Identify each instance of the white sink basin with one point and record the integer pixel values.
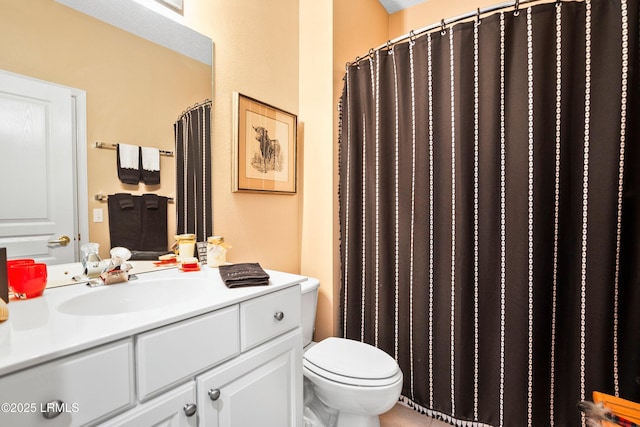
(134, 296)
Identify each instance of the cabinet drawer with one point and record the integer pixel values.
(170, 354)
(268, 316)
(168, 409)
(83, 388)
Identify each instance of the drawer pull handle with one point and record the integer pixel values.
(190, 409)
(53, 408)
(279, 315)
(214, 394)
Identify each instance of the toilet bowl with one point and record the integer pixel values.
(347, 383)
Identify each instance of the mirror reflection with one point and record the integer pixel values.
(134, 91)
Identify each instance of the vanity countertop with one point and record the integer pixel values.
(59, 323)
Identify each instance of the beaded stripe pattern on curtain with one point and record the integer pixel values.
(193, 172)
(490, 211)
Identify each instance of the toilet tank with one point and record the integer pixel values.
(308, 305)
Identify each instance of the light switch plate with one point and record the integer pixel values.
(98, 215)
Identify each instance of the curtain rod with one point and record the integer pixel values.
(194, 106)
(445, 22)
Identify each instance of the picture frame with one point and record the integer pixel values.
(264, 148)
(176, 5)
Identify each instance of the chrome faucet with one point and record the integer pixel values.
(117, 271)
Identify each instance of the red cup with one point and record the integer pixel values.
(12, 262)
(27, 280)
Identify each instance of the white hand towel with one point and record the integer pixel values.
(150, 165)
(128, 163)
(150, 159)
(128, 155)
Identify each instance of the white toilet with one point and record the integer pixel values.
(347, 383)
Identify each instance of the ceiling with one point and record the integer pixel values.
(393, 6)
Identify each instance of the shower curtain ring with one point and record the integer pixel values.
(443, 31)
(478, 21)
(389, 47)
(412, 38)
(516, 12)
(558, 3)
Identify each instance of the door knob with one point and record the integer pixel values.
(62, 240)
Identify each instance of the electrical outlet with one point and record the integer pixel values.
(98, 215)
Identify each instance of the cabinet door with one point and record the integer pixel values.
(170, 410)
(262, 387)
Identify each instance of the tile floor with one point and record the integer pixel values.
(402, 416)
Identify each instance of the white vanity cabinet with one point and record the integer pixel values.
(260, 386)
(231, 358)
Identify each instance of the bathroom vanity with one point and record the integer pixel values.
(171, 348)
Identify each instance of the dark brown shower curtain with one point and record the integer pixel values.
(193, 172)
(490, 215)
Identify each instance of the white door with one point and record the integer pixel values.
(37, 202)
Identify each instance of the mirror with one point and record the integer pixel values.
(135, 89)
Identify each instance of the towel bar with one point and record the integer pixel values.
(100, 144)
(103, 198)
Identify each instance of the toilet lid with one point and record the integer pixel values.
(350, 359)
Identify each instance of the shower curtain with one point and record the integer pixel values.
(490, 212)
(193, 171)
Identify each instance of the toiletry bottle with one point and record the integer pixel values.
(216, 251)
(186, 245)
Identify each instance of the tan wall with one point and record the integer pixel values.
(135, 89)
(256, 54)
(316, 105)
(256, 47)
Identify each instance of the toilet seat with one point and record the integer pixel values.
(352, 362)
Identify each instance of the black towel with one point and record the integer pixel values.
(153, 228)
(124, 221)
(150, 201)
(141, 227)
(125, 201)
(243, 274)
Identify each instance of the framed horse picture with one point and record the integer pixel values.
(264, 155)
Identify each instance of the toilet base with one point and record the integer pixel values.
(317, 414)
(346, 419)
